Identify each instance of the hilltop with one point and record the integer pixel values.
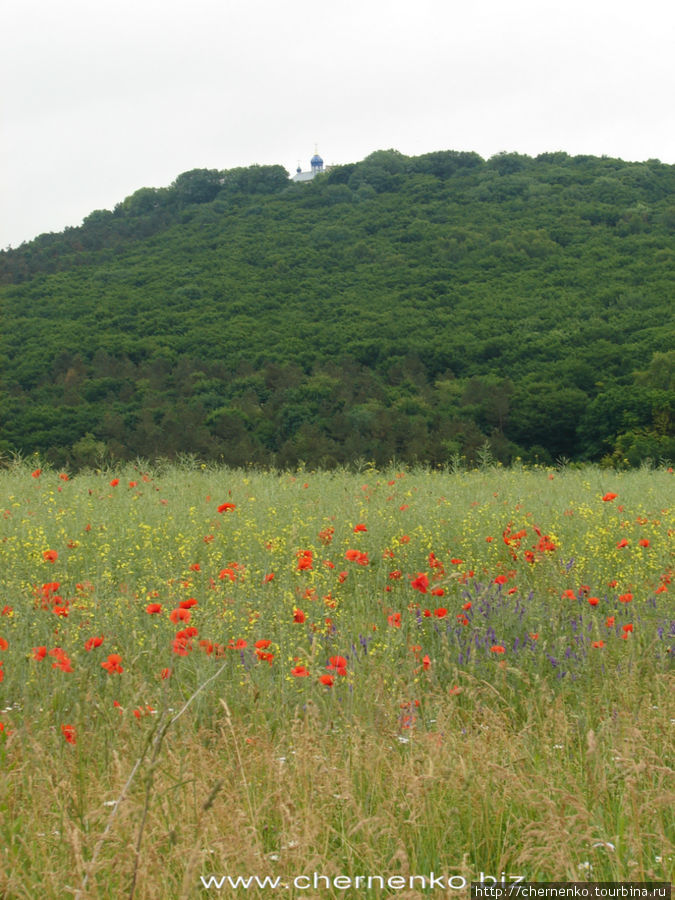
(400, 307)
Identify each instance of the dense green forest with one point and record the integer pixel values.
(409, 308)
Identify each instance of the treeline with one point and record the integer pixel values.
(409, 308)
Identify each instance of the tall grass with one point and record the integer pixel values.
(489, 682)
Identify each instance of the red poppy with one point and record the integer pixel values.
(114, 482)
(326, 535)
(299, 617)
(437, 592)
(50, 556)
(643, 542)
(225, 507)
(337, 662)
(497, 648)
(597, 645)
(627, 627)
(609, 621)
(625, 598)
(68, 731)
(570, 595)
(394, 620)
(593, 601)
(501, 579)
(426, 662)
(609, 497)
(269, 577)
(180, 615)
(328, 680)
(360, 527)
(93, 642)
(39, 652)
(358, 557)
(112, 664)
(622, 543)
(187, 604)
(36, 473)
(153, 608)
(3, 644)
(305, 560)
(421, 583)
(164, 674)
(441, 612)
(299, 671)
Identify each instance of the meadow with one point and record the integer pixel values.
(315, 677)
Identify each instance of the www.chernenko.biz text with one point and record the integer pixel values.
(317, 881)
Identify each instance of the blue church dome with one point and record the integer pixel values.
(316, 162)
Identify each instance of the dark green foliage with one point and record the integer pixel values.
(398, 307)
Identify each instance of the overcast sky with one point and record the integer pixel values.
(101, 98)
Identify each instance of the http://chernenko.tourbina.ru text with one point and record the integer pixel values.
(568, 890)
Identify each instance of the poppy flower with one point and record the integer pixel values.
(437, 592)
(421, 583)
(299, 671)
(501, 579)
(164, 674)
(394, 620)
(569, 595)
(497, 648)
(180, 615)
(269, 577)
(426, 662)
(226, 507)
(112, 664)
(328, 680)
(93, 642)
(622, 543)
(50, 556)
(609, 496)
(643, 542)
(153, 608)
(609, 621)
(187, 604)
(625, 598)
(68, 731)
(39, 652)
(36, 473)
(3, 644)
(299, 617)
(359, 527)
(627, 627)
(114, 482)
(597, 645)
(593, 601)
(337, 662)
(305, 560)
(441, 612)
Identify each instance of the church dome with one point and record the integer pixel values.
(316, 161)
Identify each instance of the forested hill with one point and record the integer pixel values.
(401, 307)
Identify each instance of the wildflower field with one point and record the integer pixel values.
(306, 677)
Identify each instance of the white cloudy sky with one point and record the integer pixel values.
(101, 98)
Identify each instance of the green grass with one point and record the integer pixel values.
(431, 751)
